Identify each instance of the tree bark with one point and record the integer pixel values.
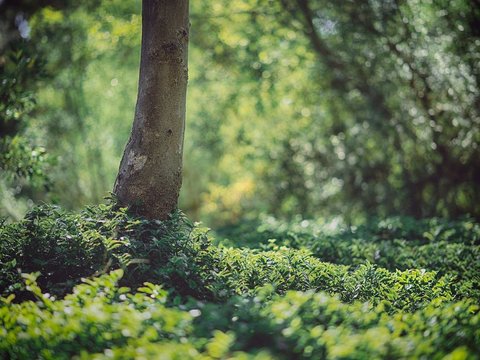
(150, 174)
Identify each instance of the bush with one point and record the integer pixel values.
(66, 247)
(317, 326)
(102, 320)
(448, 247)
(88, 319)
(198, 299)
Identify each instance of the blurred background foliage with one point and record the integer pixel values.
(345, 109)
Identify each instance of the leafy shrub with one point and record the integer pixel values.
(315, 325)
(88, 319)
(447, 247)
(66, 247)
(273, 299)
(63, 247)
(99, 319)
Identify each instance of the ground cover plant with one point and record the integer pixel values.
(102, 283)
(446, 247)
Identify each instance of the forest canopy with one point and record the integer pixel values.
(341, 109)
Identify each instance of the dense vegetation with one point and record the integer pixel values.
(332, 145)
(320, 108)
(297, 291)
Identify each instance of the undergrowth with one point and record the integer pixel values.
(395, 288)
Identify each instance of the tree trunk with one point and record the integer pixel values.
(150, 174)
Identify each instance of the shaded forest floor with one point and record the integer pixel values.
(104, 284)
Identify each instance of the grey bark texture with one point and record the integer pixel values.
(150, 174)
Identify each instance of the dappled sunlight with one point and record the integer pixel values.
(313, 194)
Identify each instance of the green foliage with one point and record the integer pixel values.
(24, 162)
(20, 160)
(290, 112)
(347, 109)
(197, 299)
(66, 247)
(98, 317)
(309, 325)
(352, 108)
(85, 111)
(19, 70)
(448, 247)
(102, 320)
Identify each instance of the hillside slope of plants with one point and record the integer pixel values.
(104, 284)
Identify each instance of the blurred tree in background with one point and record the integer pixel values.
(86, 49)
(23, 162)
(312, 107)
